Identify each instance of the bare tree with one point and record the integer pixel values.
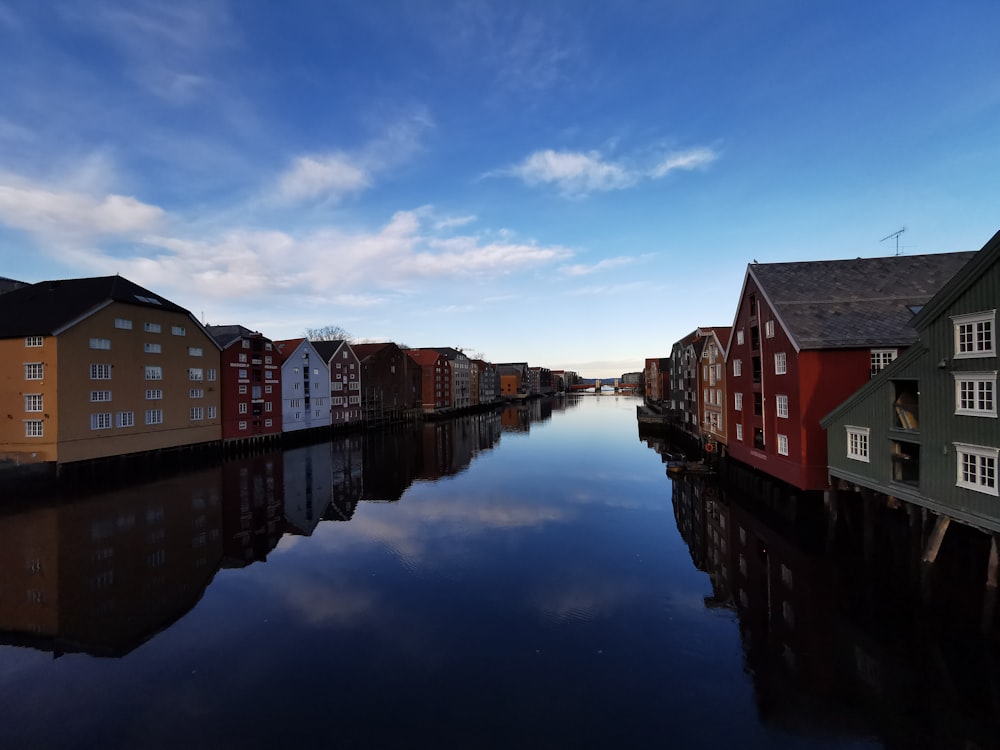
(328, 333)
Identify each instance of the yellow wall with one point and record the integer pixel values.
(14, 445)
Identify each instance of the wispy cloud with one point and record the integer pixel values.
(581, 269)
(578, 173)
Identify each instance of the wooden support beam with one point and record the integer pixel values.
(931, 550)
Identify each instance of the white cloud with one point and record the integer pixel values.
(581, 269)
(331, 176)
(573, 172)
(684, 160)
(454, 221)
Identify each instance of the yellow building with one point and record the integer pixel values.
(99, 367)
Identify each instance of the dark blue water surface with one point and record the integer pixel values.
(514, 579)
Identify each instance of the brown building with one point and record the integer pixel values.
(435, 372)
(98, 367)
(391, 381)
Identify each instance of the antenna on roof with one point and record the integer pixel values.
(896, 235)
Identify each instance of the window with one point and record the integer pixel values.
(242, 357)
(857, 443)
(154, 372)
(977, 468)
(243, 390)
(98, 396)
(211, 412)
(195, 351)
(151, 327)
(245, 343)
(123, 323)
(739, 401)
(739, 432)
(32, 402)
(737, 367)
(758, 404)
(704, 395)
(126, 419)
(100, 372)
(197, 412)
(268, 406)
(211, 374)
(267, 359)
(34, 371)
(243, 407)
(268, 422)
(295, 403)
(154, 394)
(100, 343)
(975, 394)
(780, 364)
(881, 358)
(242, 425)
(196, 374)
(151, 348)
(974, 334)
(154, 416)
(32, 341)
(267, 389)
(783, 445)
(739, 337)
(781, 406)
(338, 386)
(243, 374)
(196, 393)
(34, 428)
(101, 421)
(769, 329)
(178, 330)
(355, 399)
(338, 401)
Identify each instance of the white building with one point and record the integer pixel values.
(305, 379)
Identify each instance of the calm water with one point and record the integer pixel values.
(521, 579)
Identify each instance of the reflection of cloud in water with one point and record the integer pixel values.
(583, 599)
(321, 605)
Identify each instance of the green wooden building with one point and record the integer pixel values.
(925, 429)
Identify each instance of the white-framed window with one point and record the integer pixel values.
(345, 355)
(267, 389)
(100, 343)
(154, 416)
(34, 428)
(880, 359)
(100, 372)
(196, 393)
(242, 424)
(781, 406)
(337, 401)
(267, 359)
(243, 407)
(100, 421)
(126, 419)
(977, 468)
(242, 374)
(738, 401)
(33, 341)
(783, 445)
(780, 363)
(242, 357)
(704, 395)
(268, 406)
(769, 329)
(718, 397)
(123, 323)
(196, 351)
(737, 367)
(245, 343)
(211, 374)
(178, 330)
(154, 372)
(974, 334)
(338, 386)
(268, 422)
(857, 443)
(197, 413)
(243, 389)
(211, 412)
(151, 348)
(196, 374)
(739, 337)
(154, 394)
(975, 394)
(151, 327)
(355, 399)
(34, 371)
(100, 396)
(33, 402)
(739, 432)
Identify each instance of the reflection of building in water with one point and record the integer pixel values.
(390, 463)
(103, 576)
(308, 478)
(252, 508)
(514, 418)
(689, 512)
(346, 478)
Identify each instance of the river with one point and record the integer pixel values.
(528, 578)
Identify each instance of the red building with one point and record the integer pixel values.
(435, 371)
(805, 337)
(250, 383)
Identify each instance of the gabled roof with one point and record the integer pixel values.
(425, 357)
(326, 349)
(364, 351)
(227, 335)
(987, 256)
(287, 347)
(49, 307)
(449, 352)
(8, 285)
(839, 304)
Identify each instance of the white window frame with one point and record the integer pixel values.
(780, 363)
(781, 405)
(150, 347)
(985, 468)
(211, 413)
(100, 344)
(988, 320)
(985, 392)
(125, 419)
(34, 371)
(154, 372)
(197, 413)
(33, 342)
(154, 416)
(33, 402)
(34, 428)
(782, 444)
(739, 337)
(196, 393)
(97, 397)
(242, 407)
(196, 351)
(154, 394)
(178, 330)
(737, 367)
(100, 372)
(769, 329)
(123, 323)
(738, 401)
(882, 358)
(858, 443)
(739, 432)
(101, 420)
(196, 374)
(151, 327)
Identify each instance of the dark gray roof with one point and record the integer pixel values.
(226, 335)
(326, 349)
(831, 304)
(44, 308)
(7, 285)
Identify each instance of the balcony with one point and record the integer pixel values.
(906, 406)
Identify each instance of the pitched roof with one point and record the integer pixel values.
(363, 351)
(326, 349)
(7, 285)
(226, 335)
(48, 307)
(425, 357)
(287, 347)
(833, 304)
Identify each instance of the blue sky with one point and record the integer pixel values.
(575, 184)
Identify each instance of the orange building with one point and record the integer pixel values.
(98, 367)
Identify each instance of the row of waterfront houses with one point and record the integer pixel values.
(874, 375)
(99, 367)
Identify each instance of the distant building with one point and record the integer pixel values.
(436, 379)
(345, 381)
(250, 379)
(305, 380)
